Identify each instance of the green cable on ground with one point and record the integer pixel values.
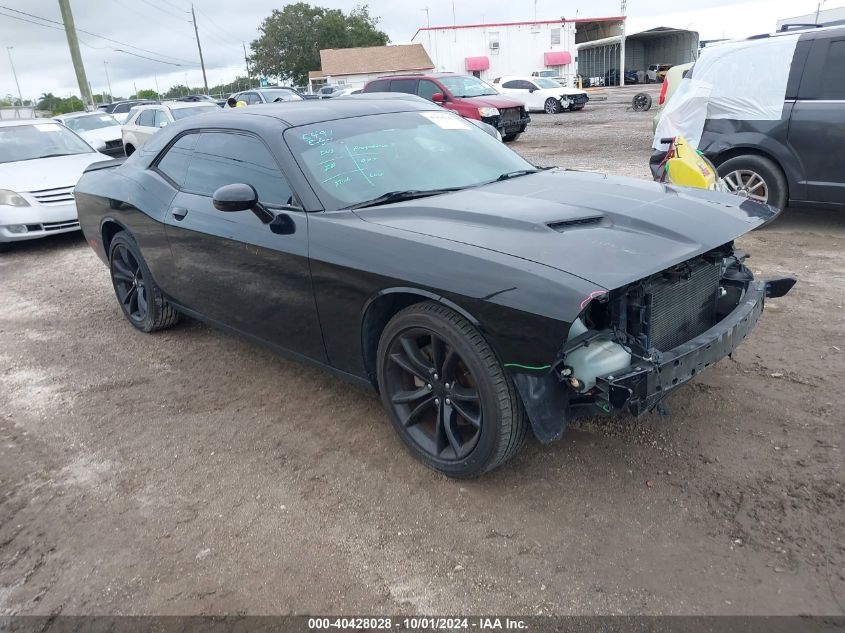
(528, 366)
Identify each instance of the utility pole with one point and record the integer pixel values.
(14, 72)
(108, 81)
(624, 8)
(818, 8)
(75, 56)
(199, 48)
(246, 61)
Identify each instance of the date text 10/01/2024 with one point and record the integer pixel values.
(419, 623)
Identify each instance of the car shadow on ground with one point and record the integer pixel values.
(44, 245)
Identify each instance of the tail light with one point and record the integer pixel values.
(662, 99)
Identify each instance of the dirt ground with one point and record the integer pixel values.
(189, 472)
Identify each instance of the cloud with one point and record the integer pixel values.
(164, 30)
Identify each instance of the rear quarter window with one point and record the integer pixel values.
(378, 85)
(833, 73)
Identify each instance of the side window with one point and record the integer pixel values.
(146, 118)
(160, 117)
(252, 98)
(404, 85)
(378, 85)
(120, 109)
(174, 164)
(513, 85)
(832, 84)
(530, 85)
(427, 88)
(225, 158)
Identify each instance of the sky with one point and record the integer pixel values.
(161, 31)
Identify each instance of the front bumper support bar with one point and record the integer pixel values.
(640, 387)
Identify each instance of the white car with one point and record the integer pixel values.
(541, 94)
(144, 121)
(100, 130)
(40, 164)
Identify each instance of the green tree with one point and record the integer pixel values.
(290, 40)
(147, 94)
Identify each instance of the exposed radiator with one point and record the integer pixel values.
(682, 306)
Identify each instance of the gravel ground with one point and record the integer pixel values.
(190, 472)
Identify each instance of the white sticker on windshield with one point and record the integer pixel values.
(446, 120)
(45, 127)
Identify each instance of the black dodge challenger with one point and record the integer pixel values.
(396, 245)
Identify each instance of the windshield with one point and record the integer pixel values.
(546, 83)
(92, 122)
(280, 95)
(181, 113)
(349, 161)
(466, 86)
(28, 142)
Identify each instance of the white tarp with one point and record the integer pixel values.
(744, 80)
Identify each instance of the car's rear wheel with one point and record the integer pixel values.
(141, 300)
(755, 177)
(509, 138)
(446, 393)
(552, 106)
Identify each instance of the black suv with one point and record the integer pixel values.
(800, 159)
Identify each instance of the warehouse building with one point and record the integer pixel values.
(566, 47)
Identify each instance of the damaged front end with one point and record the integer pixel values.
(633, 345)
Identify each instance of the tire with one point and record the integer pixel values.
(641, 102)
(429, 355)
(510, 138)
(738, 174)
(128, 149)
(552, 106)
(140, 299)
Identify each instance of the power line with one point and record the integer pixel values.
(103, 37)
(101, 48)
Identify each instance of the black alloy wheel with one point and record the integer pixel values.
(129, 283)
(446, 393)
(434, 394)
(139, 297)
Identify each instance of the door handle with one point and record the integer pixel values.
(179, 213)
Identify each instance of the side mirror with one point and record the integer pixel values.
(162, 124)
(237, 197)
(438, 97)
(532, 90)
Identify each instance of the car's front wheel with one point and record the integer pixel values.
(552, 106)
(446, 393)
(140, 299)
(755, 177)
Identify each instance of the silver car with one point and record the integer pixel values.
(144, 121)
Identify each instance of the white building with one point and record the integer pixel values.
(512, 48)
(354, 67)
(823, 17)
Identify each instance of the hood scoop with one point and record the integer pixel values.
(577, 223)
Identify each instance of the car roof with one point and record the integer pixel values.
(179, 105)
(294, 113)
(76, 115)
(14, 122)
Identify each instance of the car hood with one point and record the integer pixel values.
(608, 230)
(97, 138)
(46, 173)
(492, 101)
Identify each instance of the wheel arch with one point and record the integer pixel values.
(382, 307)
(110, 227)
(752, 150)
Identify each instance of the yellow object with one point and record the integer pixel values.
(240, 104)
(689, 168)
